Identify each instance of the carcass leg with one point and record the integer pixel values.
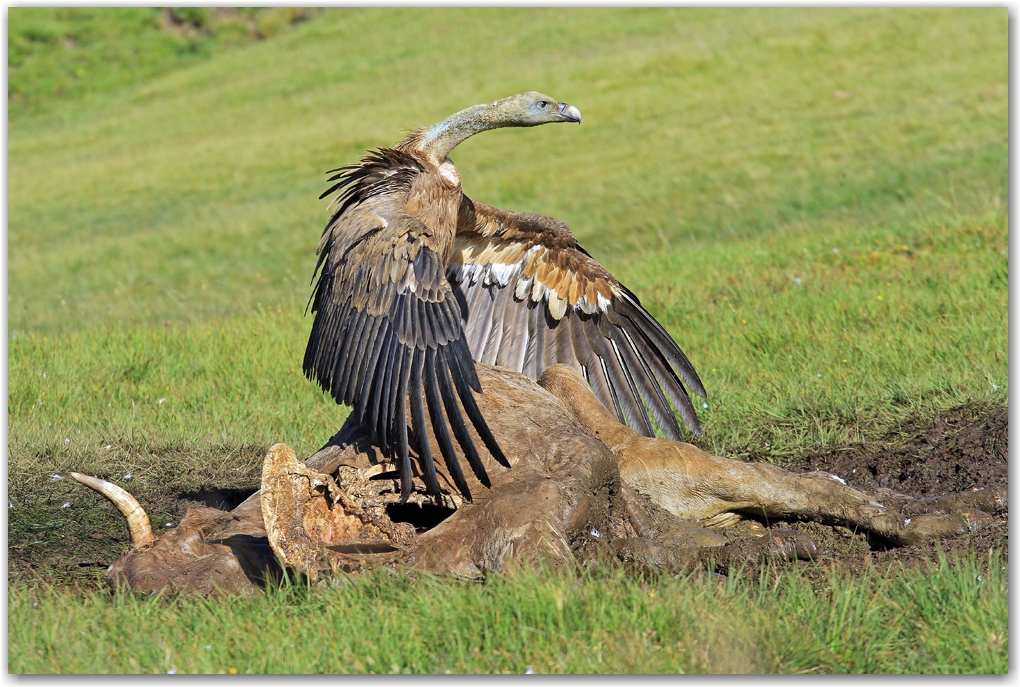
(695, 485)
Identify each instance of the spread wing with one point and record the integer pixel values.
(533, 297)
(388, 331)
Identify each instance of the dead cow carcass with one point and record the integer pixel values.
(580, 484)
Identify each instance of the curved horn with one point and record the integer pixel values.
(138, 521)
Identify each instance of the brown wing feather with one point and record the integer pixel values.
(536, 298)
(388, 326)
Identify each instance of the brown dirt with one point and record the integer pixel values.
(959, 449)
(74, 545)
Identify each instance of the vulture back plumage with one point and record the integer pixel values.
(417, 282)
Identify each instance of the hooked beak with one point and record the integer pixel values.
(570, 113)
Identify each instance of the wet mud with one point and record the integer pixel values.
(959, 449)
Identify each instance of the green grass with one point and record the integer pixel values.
(59, 54)
(904, 319)
(949, 618)
(163, 216)
(715, 166)
(191, 194)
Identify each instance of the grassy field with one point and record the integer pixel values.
(951, 618)
(812, 201)
(59, 54)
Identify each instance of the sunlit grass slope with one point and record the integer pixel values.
(57, 55)
(813, 201)
(196, 192)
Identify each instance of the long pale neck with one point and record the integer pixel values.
(442, 138)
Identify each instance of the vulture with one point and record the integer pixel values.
(417, 282)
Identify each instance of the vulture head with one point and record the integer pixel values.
(532, 109)
(525, 109)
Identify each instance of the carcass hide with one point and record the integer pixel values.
(580, 485)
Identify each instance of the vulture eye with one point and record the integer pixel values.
(543, 104)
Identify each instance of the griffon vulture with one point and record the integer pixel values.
(417, 282)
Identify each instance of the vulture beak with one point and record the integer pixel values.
(570, 113)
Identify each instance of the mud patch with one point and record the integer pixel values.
(959, 449)
(59, 533)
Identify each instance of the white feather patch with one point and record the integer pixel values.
(585, 306)
(468, 272)
(603, 303)
(523, 288)
(504, 273)
(557, 306)
(537, 291)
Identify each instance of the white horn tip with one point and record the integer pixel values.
(137, 520)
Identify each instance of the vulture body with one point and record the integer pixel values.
(417, 282)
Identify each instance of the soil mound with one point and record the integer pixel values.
(959, 449)
(962, 448)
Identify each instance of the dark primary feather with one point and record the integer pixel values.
(382, 344)
(457, 421)
(633, 365)
(439, 427)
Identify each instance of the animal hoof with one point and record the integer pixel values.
(792, 545)
(992, 500)
(975, 519)
(925, 527)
